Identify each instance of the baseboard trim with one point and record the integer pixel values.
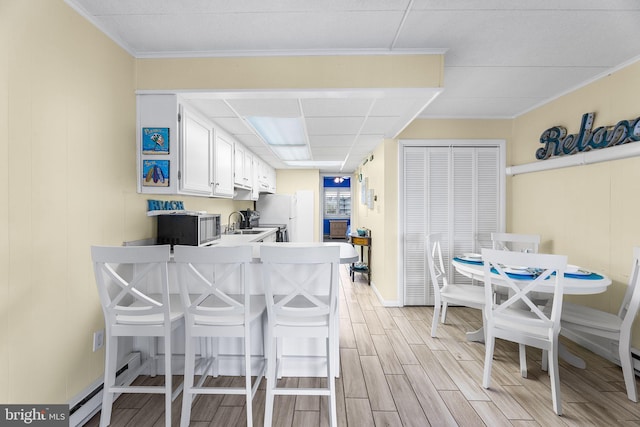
(88, 402)
(385, 303)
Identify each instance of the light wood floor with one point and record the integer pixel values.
(395, 374)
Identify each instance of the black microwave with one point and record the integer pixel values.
(186, 229)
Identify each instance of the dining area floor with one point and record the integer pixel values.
(393, 373)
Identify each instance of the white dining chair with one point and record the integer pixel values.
(582, 320)
(134, 293)
(519, 318)
(301, 290)
(516, 242)
(217, 302)
(446, 293)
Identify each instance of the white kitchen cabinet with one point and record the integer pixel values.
(255, 177)
(243, 167)
(247, 170)
(195, 154)
(271, 179)
(266, 177)
(223, 165)
(199, 159)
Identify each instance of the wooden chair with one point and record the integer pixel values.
(516, 242)
(518, 318)
(217, 303)
(582, 320)
(124, 276)
(301, 289)
(446, 293)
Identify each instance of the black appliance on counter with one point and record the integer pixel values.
(251, 219)
(188, 229)
(282, 235)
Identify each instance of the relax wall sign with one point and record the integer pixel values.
(558, 143)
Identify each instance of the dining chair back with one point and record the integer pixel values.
(445, 293)
(134, 293)
(217, 302)
(519, 318)
(516, 242)
(301, 290)
(583, 320)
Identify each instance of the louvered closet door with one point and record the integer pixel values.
(448, 190)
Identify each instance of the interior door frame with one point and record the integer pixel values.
(500, 143)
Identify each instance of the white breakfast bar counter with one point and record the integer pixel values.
(304, 357)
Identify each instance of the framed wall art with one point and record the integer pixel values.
(155, 173)
(155, 140)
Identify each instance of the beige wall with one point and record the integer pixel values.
(388, 71)
(380, 175)
(68, 181)
(5, 348)
(587, 212)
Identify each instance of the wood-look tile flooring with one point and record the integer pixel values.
(394, 374)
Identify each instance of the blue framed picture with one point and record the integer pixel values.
(155, 140)
(155, 173)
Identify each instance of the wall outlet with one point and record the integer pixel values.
(98, 339)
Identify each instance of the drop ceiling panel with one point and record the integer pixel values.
(493, 107)
(250, 140)
(266, 107)
(336, 107)
(488, 38)
(379, 125)
(231, 125)
(334, 153)
(521, 82)
(331, 140)
(212, 107)
(334, 125)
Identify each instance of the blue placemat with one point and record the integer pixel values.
(592, 276)
(516, 276)
(465, 261)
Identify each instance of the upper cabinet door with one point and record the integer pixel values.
(195, 170)
(238, 161)
(223, 166)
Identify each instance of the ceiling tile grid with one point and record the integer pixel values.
(503, 57)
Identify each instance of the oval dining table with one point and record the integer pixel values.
(574, 284)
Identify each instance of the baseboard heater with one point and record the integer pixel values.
(635, 355)
(85, 405)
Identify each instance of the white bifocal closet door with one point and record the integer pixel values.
(448, 190)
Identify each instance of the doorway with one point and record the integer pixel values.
(336, 208)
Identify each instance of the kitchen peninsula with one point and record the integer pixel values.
(304, 357)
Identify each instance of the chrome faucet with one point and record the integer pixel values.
(229, 225)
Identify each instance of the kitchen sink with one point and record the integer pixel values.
(244, 232)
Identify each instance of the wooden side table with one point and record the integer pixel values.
(361, 267)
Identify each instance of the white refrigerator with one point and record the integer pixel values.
(295, 210)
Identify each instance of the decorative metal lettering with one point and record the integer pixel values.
(558, 143)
